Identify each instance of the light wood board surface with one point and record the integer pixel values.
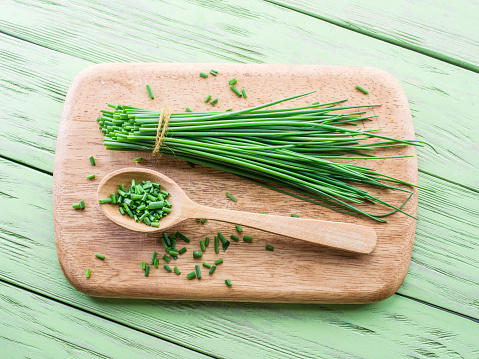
(294, 272)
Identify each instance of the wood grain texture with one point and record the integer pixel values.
(396, 327)
(296, 271)
(33, 326)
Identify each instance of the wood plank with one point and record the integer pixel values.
(442, 30)
(344, 277)
(435, 89)
(33, 326)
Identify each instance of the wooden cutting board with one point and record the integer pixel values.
(294, 271)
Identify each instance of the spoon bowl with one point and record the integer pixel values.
(345, 236)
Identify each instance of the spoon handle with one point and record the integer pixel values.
(346, 236)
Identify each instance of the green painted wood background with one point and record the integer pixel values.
(431, 47)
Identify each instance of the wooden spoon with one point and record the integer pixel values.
(346, 236)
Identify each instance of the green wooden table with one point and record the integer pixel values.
(432, 47)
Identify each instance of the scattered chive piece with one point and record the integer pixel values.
(222, 237)
(155, 224)
(294, 215)
(243, 92)
(198, 271)
(207, 98)
(166, 258)
(173, 243)
(228, 110)
(172, 236)
(203, 221)
(122, 211)
(143, 265)
(228, 282)
(177, 271)
(197, 254)
(218, 261)
(147, 270)
(269, 248)
(213, 72)
(148, 87)
(105, 200)
(217, 245)
(166, 209)
(76, 205)
(231, 197)
(238, 228)
(212, 270)
(82, 204)
(138, 159)
(207, 265)
(189, 109)
(248, 239)
(88, 272)
(233, 81)
(90, 176)
(167, 267)
(234, 238)
(172, 252)
(226, 245)
(362, 89)
(153, 258)
(207, 241)
(213, 102)
(157, 263)
(101, 256)
(92, 161)
(236, 91)
(156, 205)
(263, 213)
(167, 239)
(191, 164)
(183, 237)
(203, 74)
(182, 250)
(114, 198)
(191, 275)
(315, 103)
(203, 246)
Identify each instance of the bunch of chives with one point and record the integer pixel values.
(291, 148)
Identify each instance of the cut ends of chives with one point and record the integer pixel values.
(197, 254)
(167, 267)
(198, 271)
(88, 272)
(207, 98)
(147, 270)
(191, 275)
(203, 74)
(90, 176)
(238, 228)
(92, 161)
(233, 81)
(362, 89)
(218, 261)
(248, 239)
(228, 282)
(189, 109)
(138, 159)
(150, 92)
(80, 205)
(269, 248)
(212, 270)
(101, 256)
(231, 197)
(214, 72)
(177, 271)
(234, 237)
(214, 102)
(243, 92)
(294, 215)
(236, 91)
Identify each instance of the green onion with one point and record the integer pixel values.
(183, 237)
(182, 250)
(138, 159)
(207, 98)
(248, 239)
(236, 91)
(153, 258)
(218, 261)
(207, 241)
(114, 198)
(150, 92)
(231, 197)
(217, 245)
(294, 215)
(82, 204)
(226, 245)
(167, 239)
(90, 176)
(177, 271)
(203, 74)
(213, 102)
(101, 256)
(228, 282)
(167, 267)
(207, 265)
(362, 89)
(214, 72)
(234, 238)
(191, 275)
(263, 213)
(198, 271)
(143, 265)
(92, 161)
(166, 258)
(197, 254)
(173, 253)
(269, 247)
(203, 221)
(238, 228)
(212, 270)
(243, 92)
(222, 237)
(147, 270)
(88, 272)
(203, 246)
(233, 81)
(173, 242)
(157, 263)
(189, 109)
(76, 206)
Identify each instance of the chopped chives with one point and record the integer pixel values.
(138, 159)
(172, 236)
(173, 243)
(172, 252)
(156, 205)
(113, 197)
(234, 238)
(197, 254)
(105, 200)
(157, 263)
(167, 267)
(231, 197)
(191, 275)
(228, 282)
(143, 265)
(88, 272)
(226, 245)
(218, 261)
(148, 87)
(243, 92)
(198, 271)
(213, 72)
(166, 209)
(182, 250)
(212, 270)
(269, 248)
(213, 102)
(217, 245)
(203, 246)
(238, 228)
(248, 239)
(263, 213)
(236, 91)
(167, 239)
(362, 89)
(101, 256)
(207, 241)
(207, 98)
(203, 74)
(153, 258)
(166, 258)
(183, 237)
(189, 109)
(92, 161)
(76, 205)
(177, 271)
(222, 237)
(122, 211)
(82, 204)
(155, 224)
(90, 176)
(207, 265)
(147, 270)
(294, 215)
(203, 221)
(233, 81)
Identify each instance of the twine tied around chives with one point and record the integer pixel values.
(161, 131)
